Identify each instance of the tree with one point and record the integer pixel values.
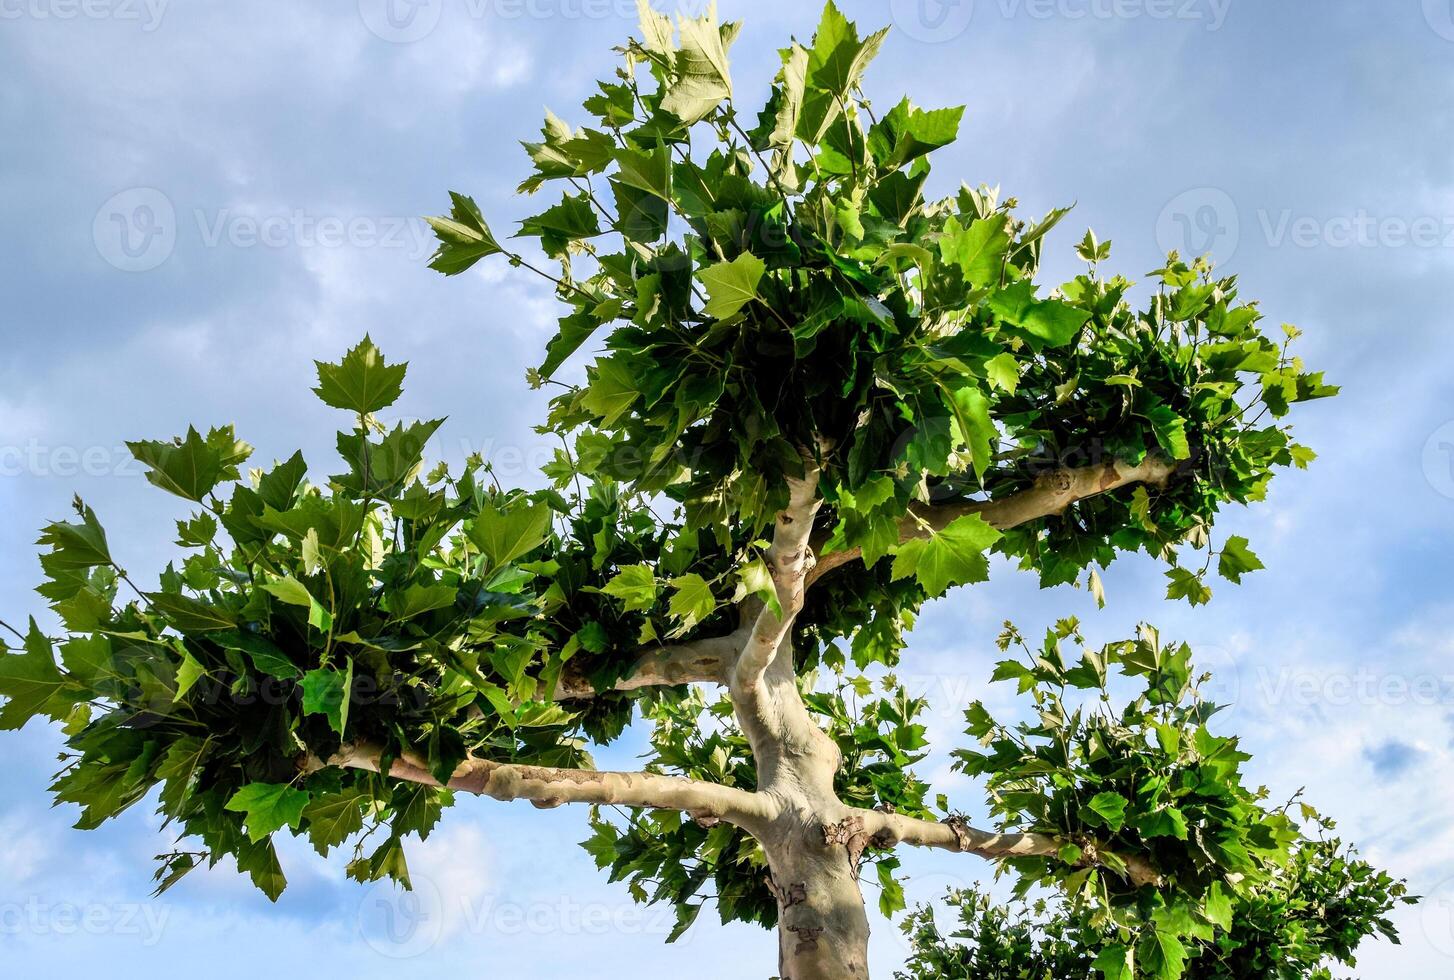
(823, 399)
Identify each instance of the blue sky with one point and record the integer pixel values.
(266, 162)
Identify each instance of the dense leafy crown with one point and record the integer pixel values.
(771, 294)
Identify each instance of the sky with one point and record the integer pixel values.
(198, 198)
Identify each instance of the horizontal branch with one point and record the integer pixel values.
(1051, 494)
(892, 829)
(704, 661)
(548, 787)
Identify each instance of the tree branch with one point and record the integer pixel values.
(548, 787)
(790, 561)
(704, 661)
(891, 829)
(1051, 494)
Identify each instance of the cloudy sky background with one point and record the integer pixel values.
(1307, 145)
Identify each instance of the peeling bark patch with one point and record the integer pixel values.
(807, 938)
(795, 894)
(960, 830)
(850, 833)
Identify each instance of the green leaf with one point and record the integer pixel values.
(614, 388)
(191, 466)
(265, 656)
(362, 382)
(464, 238)
(295, 593)
(1003, 371)
(973, 426)
(1116, 962)
(573, 219)
(703, 78)
(31, 683)
(76, 546)
(1046, 323)
(1169, 822)
(732, 285)
(334, 818)
(1110, 808)
(839, 57)
(1186, 584)
(1161, 956)
(188, 615)
(260, 861)
(1170, 430)
(635, 586)
(268, 808)
(755, 579)
(953, 556)
(656, 30)
(693, 601)
(891, 891)
(327, 692)
(978, 250)
(510, 533)
(907, 133)
(1217, 907)
(1237, 560)
(188, 674)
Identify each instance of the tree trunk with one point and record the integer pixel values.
(822, 923)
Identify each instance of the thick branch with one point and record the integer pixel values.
(704, 661)
(790, 561)
(1051, 494)
(548, 787)
(892, 829)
